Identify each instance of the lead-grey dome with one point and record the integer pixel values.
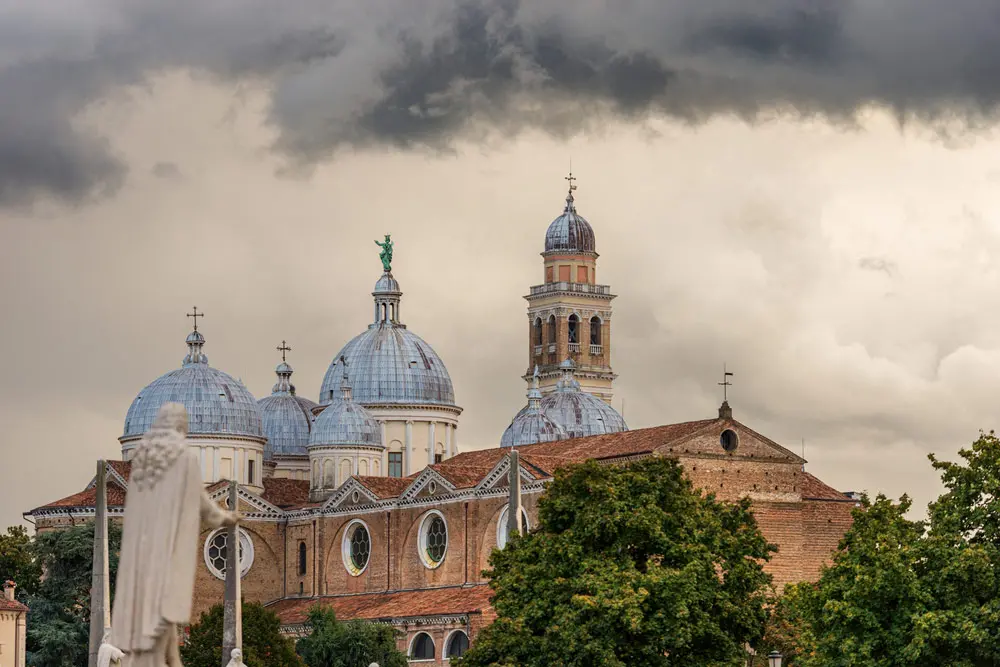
(570, 232)
(389, 364)
(216, 402)
(531, 424)
(344, 422)
(580, 413)
(286, 417)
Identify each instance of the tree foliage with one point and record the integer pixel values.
(628, 566)
(59, 616)
(263, 643)
(18, 563)
(903, 593)
(351, 644)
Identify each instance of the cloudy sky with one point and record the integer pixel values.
(804, 190)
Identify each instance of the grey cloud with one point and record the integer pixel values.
(419, 77)
(877, 264)
(167, 170)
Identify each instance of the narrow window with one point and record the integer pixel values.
(564, 274)
(302, 588)
(539, 335)
(438, 458)
(595, 330)
(581, 274)
(552, 329)
(548, 274)
(574, 327)
(250, 471)
(395, 464)
(302, 558)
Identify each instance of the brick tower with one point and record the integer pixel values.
(569, 315)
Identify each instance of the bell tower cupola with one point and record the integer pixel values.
(569, 314)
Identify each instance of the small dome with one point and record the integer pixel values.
(345, 422)
(531, 425)
(216, 402)
(390, 364)
(287, 419)
(570, 232)
(580, 413)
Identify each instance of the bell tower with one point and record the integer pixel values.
(569, 314)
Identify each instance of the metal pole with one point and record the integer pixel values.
(100, 585)
(232, 628)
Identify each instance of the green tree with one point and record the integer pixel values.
(351, 644)
(628, 566)
(263, 643)
(59, 616)
(903, 593)
(18, 563)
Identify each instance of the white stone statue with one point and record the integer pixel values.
(164, 511)
(235, 658)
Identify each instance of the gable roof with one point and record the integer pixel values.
(11, 605)
(285, 493)
(447, 601)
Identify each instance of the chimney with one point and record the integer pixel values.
(8, 590)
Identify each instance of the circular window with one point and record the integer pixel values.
(729, 440)
(217, 547)
(356, 547)
(433, 542)
(503, 528)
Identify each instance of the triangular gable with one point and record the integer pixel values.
(344, 496)
(423, 480)
(499, 476)
(219, 493)
(111, 476)
(751, 444)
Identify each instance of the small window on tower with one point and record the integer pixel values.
(552, 329)
(574, 329)
(250, 471)
(564, 274)
(538, 334)
(548, 274)
(595, 330)
(395, 464)
(438, 458)
(581, 274)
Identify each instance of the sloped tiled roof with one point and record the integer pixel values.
(11, 605)
(814, 489)
(463, 477)
(386, 606)
(285, 493)
(385, 487)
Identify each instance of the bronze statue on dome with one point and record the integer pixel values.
(386, 254)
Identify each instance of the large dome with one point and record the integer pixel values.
(344, 422)
(216, 402)
(580, 413)
(287, 418)
(388, 363)
(570, 232)
(531, 425)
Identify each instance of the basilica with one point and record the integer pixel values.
(363, 500)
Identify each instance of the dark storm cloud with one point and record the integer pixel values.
(421, 74)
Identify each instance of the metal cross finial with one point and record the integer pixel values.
(725, 384)
(571, 178)
(283, 348)
(196, 315)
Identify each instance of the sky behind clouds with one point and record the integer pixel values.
(754, 196)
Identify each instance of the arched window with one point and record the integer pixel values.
(457, 644)
(329, 474)
(595, 330)
(503, 528)
(422, 647)
(574, 329)
(538, 333)
(302, 558)
(552, 329)
(363, 467)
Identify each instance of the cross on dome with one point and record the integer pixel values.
(195, 315)
(283, 348)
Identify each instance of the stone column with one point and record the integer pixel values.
(447, 441)
(100, 593)
(432, 442)
(216, 462)
(514, 502)
(232, 624)
(408, 447)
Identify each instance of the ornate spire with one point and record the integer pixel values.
(570, 207)
(284, 387)
(345, 384)
(195, 341)
(534, 394)
(568, 381)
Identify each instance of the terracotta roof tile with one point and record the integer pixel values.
(11, 605)
(386, 606)
(462, 476)
(123, 468)
(385, 487)
(814, 489)
(284, 492)
(88, 498)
